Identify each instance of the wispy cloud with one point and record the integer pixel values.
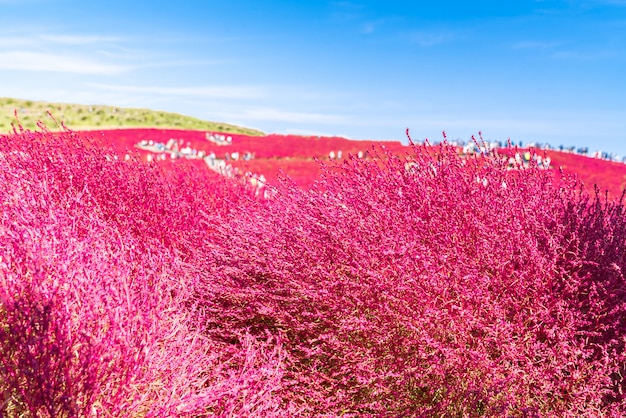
(536, 44)
(481, 122)
(279, 115)
(78, 39)
(20, 2)
(62, 53)
(584, 55)
(16, 41)
(345, 11)
(360, 17)
(612, 2)
(431, 38)
(44, 40)
(309, 132)
(371, 26)
(83, 54)
(57, 62)
(205, 92)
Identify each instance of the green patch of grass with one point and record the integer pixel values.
(76, 116)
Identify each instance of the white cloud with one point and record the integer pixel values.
(60, 53)
(59, 62)
(78, 39)
(613, 2)
(309, 132)
(16, 41)
(43, 40)
(371, 26)
(584, 55)
(536, 44)
(205, 92)
(272, 114)
(346, 11)
(428, 39)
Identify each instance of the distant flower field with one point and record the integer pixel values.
(409, 282)
(297, 155)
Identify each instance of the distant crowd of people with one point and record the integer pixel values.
(472, 147)
(179, 149)
(173, 147)
(219, 139)
(332, 155)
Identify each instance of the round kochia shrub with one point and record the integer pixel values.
(95, 258)
(429, 285)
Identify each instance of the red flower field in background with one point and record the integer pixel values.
(295, 155)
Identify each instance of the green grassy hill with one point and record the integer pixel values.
(102, 117)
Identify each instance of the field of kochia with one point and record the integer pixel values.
(413, 283)
(295, 155)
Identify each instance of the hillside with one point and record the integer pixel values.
(83, 117)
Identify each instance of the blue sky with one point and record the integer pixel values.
(530, 70)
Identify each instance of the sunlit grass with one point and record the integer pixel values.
(76, 116)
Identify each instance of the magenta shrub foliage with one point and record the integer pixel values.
(94, 272)
(424, 284)
(431, 285)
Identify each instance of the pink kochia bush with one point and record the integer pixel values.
(415, 285)
(430, 285)
(94, 274)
